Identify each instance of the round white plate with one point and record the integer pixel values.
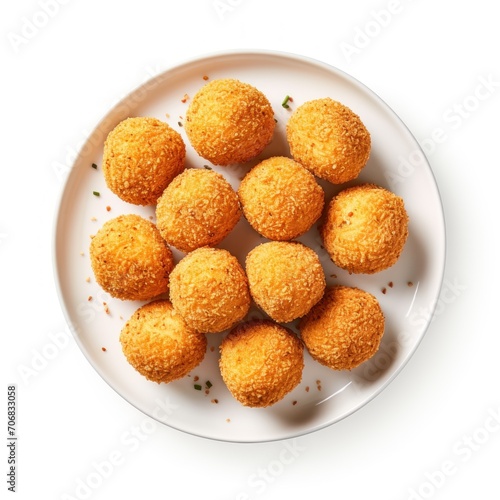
(408, 292)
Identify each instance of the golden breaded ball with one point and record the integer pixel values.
(344, 329)
(157, 342)
(229, 121)
(130, 259)
(329, 139)
(141, 157)
(209, 288)
(286, 279)
(261, 362)
(198, 208)
(281, 199)
(365, 229)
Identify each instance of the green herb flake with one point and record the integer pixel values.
(208, 384)
(197, 387)
(96, 193)
(285, 102)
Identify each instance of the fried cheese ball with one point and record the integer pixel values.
(281, 199)
(261, 362)
(130, 259)
(286, 279)
(365, 229)
(344, 329)
(157, 342)
(198, 208)
(329, 139)
(141, 156)
(209, 288)
(229, 121)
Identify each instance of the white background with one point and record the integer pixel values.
(434, 432)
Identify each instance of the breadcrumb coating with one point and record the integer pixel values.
(158, 343)
(286, 279)
(344, 329)
(198, 208)
(365, 229)
(260, 362)
(329, 139)
(130, 259)
(141, 157)
(281, 199)
(229, 121)
(209, 288)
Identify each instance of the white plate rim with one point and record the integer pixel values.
(251, 53)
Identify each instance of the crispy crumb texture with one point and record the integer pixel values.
(286, 279)
(141, 157)
(365, 229)
(229, 121)
(329, 139)
(344, 329)
(209, 288)
(281, 199)
(130, 259)
(261, 361)
(159, 344)
(199, 208)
